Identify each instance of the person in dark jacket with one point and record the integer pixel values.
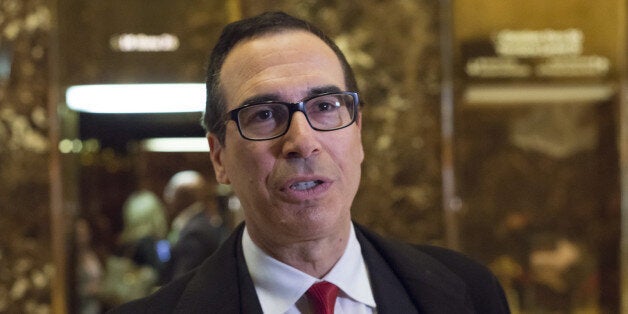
(284, 127)
(197, 229)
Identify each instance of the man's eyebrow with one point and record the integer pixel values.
(324, 89)
(275, 97)
(260, 98)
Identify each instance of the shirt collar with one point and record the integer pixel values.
(350, 273)
(279, 286)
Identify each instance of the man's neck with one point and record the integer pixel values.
(315, 255)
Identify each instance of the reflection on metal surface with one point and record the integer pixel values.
(504, 94)
(526, 54)
(575, 66)
(490, 67)
(539, 43)
(557, 131)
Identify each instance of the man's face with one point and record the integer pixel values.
(299, 186)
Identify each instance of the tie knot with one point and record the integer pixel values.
(322, 296)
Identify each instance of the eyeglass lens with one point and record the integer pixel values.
(324, 113)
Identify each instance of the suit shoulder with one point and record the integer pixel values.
(457, 262)
(442, 269)
(164, 300)
(485, 290)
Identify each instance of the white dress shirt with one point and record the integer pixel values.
(281, 287)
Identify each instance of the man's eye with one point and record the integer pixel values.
(258, 114)
(264, 115)
(327, 106)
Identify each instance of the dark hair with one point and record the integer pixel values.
(271, 22)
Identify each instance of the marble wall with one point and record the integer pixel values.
(399, 80)
(393, 45)
(25, 258)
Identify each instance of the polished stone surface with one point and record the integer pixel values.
(535, 183)
(25, 260)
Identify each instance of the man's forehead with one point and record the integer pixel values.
(289, 60)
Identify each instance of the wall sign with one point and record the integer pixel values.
(547, 53)
(144, 43)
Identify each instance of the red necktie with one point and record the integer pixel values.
(322, 296)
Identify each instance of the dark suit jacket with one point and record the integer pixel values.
(405, 279)
(197, 241)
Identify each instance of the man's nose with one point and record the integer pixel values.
(300, 141)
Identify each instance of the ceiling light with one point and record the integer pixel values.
(136, 98)
(175, 144)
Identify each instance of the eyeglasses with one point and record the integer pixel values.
(271, 119)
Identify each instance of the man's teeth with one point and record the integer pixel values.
(304, 185)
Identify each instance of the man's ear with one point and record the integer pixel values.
(215, 153)
(358, 122)
(358, 119)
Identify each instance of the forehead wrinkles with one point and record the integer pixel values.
(300, 82)
(292, 57)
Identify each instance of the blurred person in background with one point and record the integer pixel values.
(89, 270)
(142, 253)
(145, 229)
(197, 227)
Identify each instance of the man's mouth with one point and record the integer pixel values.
(305, 185)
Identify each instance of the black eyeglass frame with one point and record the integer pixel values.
(292, 108)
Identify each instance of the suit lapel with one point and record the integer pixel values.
(390, 295)
(222, 284)
(404, 280)
(410, 276)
